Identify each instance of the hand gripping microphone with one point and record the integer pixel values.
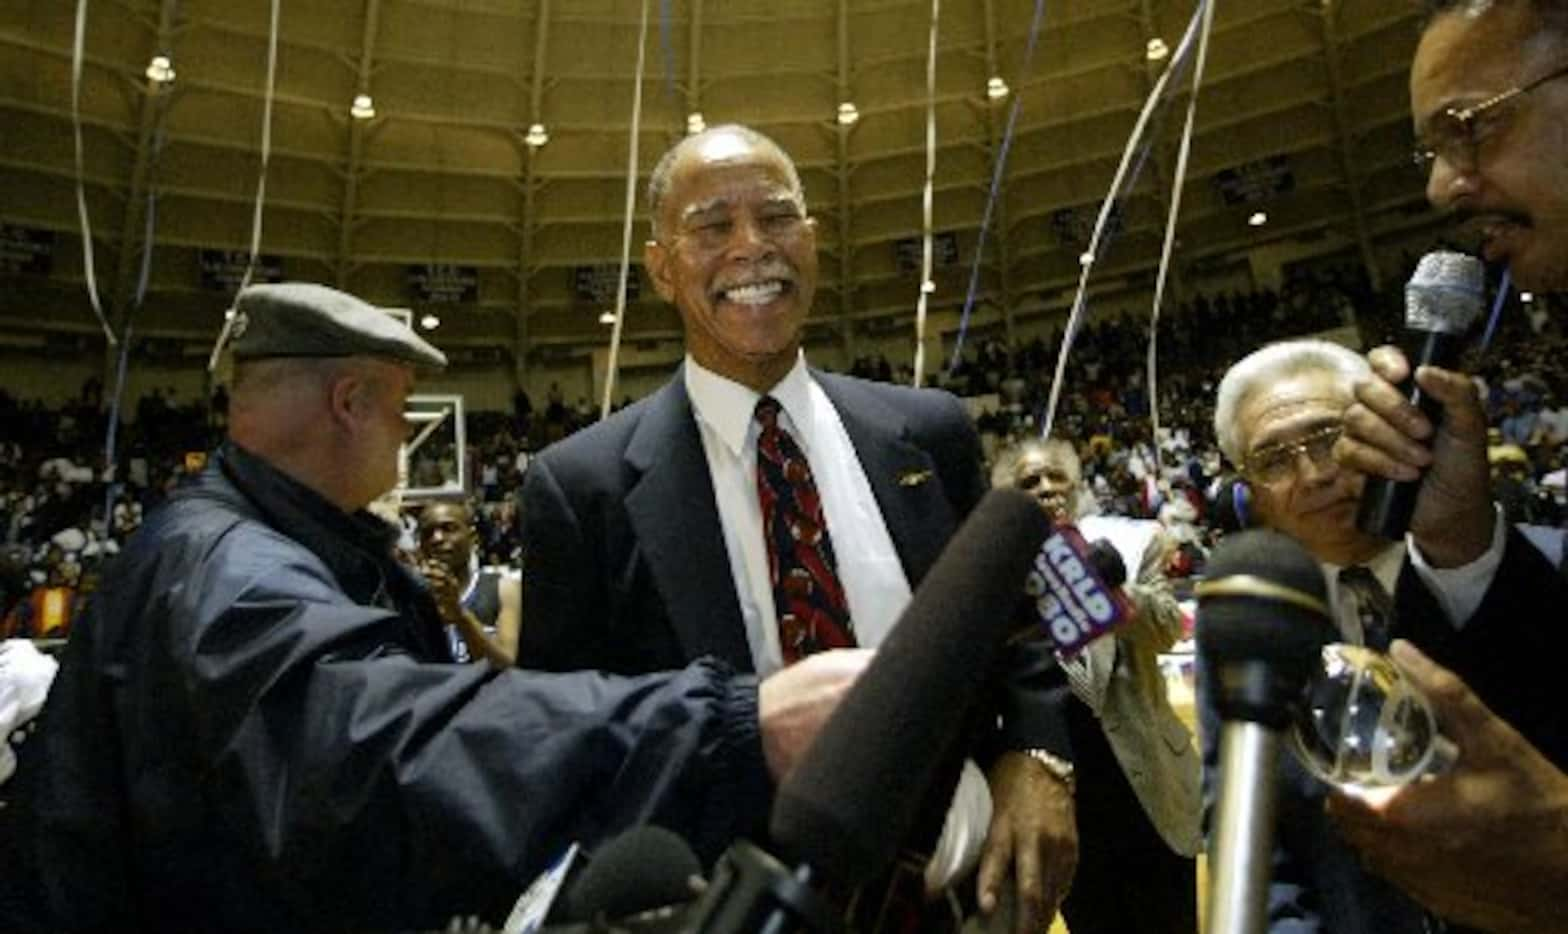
(841, 815)
(1263, 618)
(1442, 300)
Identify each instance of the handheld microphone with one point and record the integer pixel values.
(1442, 300)
(852, 799)
(841, 815)
(1263, 618)
(1076, 589)
(644, 868)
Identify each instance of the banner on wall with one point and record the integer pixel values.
(944, 251)
(26, 250)
(224, 270)
(444, 283)
(597, 283)
(1259, 180)
(1074, 227)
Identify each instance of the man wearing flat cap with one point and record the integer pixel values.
(258, 725)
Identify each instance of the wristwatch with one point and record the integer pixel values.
(1060, 768)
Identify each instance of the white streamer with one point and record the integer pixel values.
(1074, 319)
(611, 369)
(78, 54)
(1170, 234)
(261, 185)
(926, 283)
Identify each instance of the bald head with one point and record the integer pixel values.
(712, 143)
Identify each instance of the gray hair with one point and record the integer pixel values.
(659, 182)
(1270, 364)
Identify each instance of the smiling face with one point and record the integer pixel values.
(1514, 194)
(738, 256)
(1315, 503)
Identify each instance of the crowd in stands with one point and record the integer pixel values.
(63, 512)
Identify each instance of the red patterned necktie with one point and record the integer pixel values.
(807, 595)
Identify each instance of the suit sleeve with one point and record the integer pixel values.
(563, 610)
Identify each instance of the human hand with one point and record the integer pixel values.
(444, 588)
(1385, 436)
(794, 703)
(1485, 843)
(1033, 836)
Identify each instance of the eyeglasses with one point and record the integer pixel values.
(1456, 134)
(1276, 463)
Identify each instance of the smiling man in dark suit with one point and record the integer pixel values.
(756, 509)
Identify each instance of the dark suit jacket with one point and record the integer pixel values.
(625, 566)
(1507, 652)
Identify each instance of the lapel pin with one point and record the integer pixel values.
(913, 477)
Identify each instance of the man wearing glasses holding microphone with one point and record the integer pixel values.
(1486, 843)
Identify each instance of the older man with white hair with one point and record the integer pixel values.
(1278, 415)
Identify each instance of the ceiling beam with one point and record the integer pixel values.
(1328, 19)
(1000, 240)
(354, 160)
(846, 247)
(155, 104)
(1157, 152)
(526, 268)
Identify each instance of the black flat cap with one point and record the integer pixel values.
(301, 319)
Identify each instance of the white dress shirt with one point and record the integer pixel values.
(1459, 591)
(875, 586)
(874, 583)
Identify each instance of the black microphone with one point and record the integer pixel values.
(1263, 619)
(843, 812)
(853, 798)
(644, 868)
(1442, 300)
(1108, 562)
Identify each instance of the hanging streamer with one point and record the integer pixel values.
(1177, 184)
(1075, 317)
(927, 286)
(78, 55)
(1497, 307)
(261, 184)
(613, 363)
(996, 186)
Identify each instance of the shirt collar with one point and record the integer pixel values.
(1385, 566)
(728, 408)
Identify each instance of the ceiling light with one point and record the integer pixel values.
(694, 123)
(430, 322)
(1156, 50)
(1085, 258)
(996, 89)
(1527, 297)
(1258, 219)
(363, 107)
(847, 114)
(607, 317)
(160, 70)
(536, 136)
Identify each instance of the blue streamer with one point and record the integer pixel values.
(1497, 307)
(667, 51)
(996, 184)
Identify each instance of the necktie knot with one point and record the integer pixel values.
(767, 412)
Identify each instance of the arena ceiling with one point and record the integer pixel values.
(1303, 114)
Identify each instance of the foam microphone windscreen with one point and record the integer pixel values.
(1263, 602)
(854, 796)
(644, 868)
